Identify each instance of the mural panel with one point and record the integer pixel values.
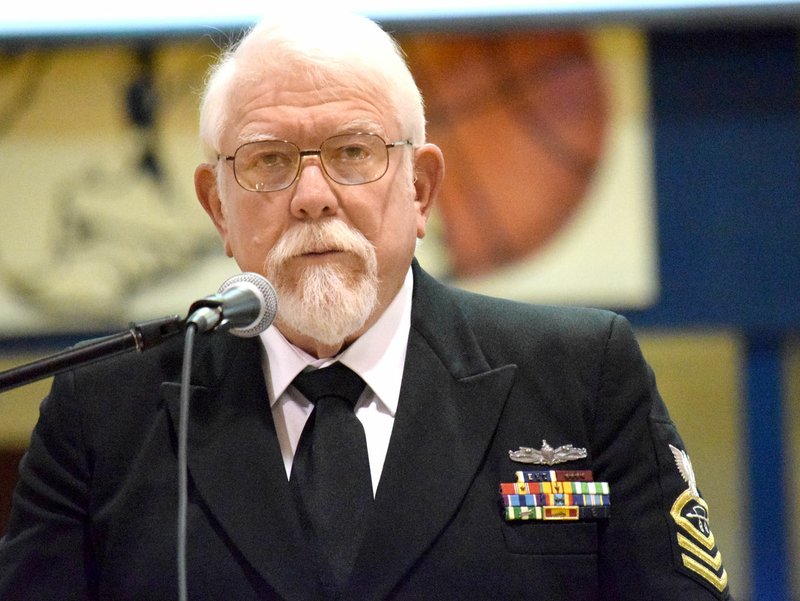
(547, 195)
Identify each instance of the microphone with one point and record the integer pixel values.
(245, 304)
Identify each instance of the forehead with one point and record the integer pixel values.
(307, 109)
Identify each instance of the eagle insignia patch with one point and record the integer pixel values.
(698, 550)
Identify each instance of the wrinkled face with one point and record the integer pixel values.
(390, 213)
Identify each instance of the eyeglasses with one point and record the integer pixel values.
(349, 159)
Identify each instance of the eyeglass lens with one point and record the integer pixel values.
(271, 165)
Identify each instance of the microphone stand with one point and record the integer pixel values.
(139, 336)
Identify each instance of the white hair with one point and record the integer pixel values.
(330, 47)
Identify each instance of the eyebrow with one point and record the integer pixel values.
(356, 126)
(362, 126)
(257, 137)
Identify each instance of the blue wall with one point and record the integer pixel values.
(726, 121)
(727, 164)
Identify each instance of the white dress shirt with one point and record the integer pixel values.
(378, 356)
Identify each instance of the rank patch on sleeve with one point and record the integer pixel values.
(697, 548)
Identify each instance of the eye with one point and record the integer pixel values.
(268, 156)
(270, 159)
(352, 152)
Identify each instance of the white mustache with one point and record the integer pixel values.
(319, 237)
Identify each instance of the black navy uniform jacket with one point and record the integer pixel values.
(94, 513)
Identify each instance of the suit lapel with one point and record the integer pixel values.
(235, 463)
(450, 404)
(451, 401)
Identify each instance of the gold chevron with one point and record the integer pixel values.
(707, 541)
(719, 582)
(715, 561)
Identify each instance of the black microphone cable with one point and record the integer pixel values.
(245, 305)
(183, 437)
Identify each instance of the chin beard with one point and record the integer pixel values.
(326, 302)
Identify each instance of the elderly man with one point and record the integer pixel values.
(388, 437)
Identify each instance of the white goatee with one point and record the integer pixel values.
(326, 302)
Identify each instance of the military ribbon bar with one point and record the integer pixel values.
(554, 476)
(542, 500)
(550, 513)
(550, 488)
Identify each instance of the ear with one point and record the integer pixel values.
(207, 189)
(428, 177)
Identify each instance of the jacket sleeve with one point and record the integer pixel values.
(658, 543)
(44, 554)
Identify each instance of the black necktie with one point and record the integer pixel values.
(330, 472)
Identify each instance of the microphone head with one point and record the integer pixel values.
(268, 300)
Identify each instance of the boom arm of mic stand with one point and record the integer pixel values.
(140, 336)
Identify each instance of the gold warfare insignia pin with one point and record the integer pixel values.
(698, 550)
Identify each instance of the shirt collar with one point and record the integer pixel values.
(378, 355)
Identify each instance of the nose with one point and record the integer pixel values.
(313, 196)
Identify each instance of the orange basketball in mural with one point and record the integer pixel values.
(521, 118)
